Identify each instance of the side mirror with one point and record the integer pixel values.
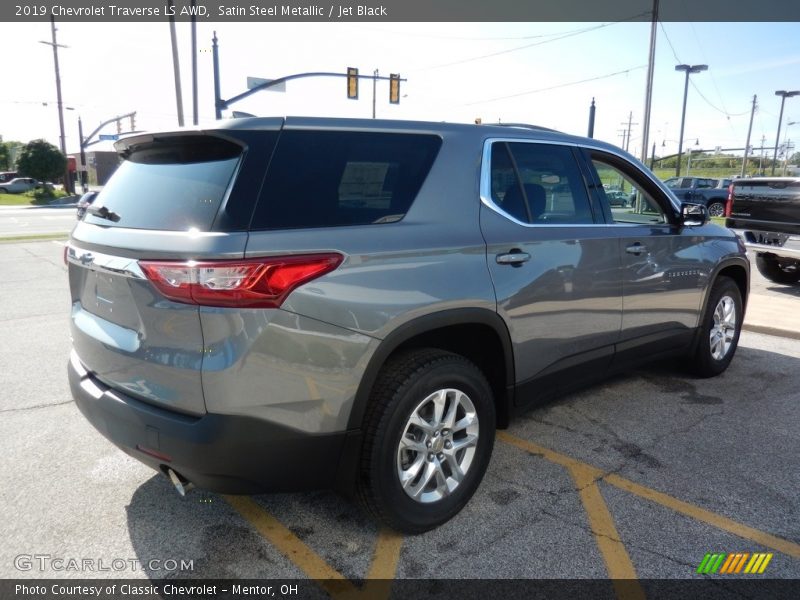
(694, 215)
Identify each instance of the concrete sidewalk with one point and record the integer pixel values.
(773, 315)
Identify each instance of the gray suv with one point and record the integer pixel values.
(285, 304)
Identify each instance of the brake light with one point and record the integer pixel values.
(729, 203)
(257, 283)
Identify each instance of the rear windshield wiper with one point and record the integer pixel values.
(103, 213)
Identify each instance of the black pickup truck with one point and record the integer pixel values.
(713, 193)
(767, 210)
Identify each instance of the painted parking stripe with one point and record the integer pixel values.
(618, 563)
(382, 569)
(700, 514)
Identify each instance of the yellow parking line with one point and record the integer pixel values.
(387, 555)
(292, 547)
(618, 563)
(382, 569)
(700, 514)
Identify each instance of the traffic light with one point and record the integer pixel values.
(352, 83)
(394, 88)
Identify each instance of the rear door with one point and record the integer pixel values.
(174, 197)
(555, 268)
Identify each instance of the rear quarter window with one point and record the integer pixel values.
(171, 183)
(335, 178)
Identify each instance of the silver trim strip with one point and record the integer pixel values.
(105, 263)
(780, 251)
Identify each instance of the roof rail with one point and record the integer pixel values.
(525, 126)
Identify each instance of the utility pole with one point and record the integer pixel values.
(176, 67)
(84, 187)
(374, 87)
(749, 131)
(627, 140)
(194, 62)
(217, 96)
(62, 139)
(761, 158)
(648, 96)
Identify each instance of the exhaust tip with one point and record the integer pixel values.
(183, 486)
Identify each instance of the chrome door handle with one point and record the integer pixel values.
(636, 248)
(514, 258)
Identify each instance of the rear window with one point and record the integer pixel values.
(334, 178)
(173, 184)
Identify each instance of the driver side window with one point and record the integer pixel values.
(628, 202)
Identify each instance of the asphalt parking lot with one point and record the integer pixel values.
(638, 477)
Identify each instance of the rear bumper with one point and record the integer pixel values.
(219, 453)
(783, 245)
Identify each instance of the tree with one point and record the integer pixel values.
(794, 159)
(41, 160)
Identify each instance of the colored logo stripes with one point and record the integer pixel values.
(731, 563)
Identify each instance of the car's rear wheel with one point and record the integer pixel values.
(428, 439)
(773, 270)
(719, 329)
(716, 209)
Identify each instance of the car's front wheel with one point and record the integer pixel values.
(428, 438)
(719, 330)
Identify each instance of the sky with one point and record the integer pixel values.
(540, 73)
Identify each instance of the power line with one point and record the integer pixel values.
(707, 101)
(518, 48)
(491, 39)
(555, 87)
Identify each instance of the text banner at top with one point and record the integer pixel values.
(398, 10)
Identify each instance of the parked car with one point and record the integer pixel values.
(619, 198)
(767, 209)
(6, 176)
(85, 202)
(19, 185)
(700, 190)
(364, 309)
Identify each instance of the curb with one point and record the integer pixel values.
(776, 331)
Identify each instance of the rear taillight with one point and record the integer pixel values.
(729, 203)
(258, 283)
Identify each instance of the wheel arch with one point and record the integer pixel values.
(475, 333)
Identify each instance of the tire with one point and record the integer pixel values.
(716, 209)
(719, 329)
(3, 191)
(401, 412)
(770, 268)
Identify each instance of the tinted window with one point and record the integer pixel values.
(174, 184)
(627, 200)
(330, 178)
(539, 183)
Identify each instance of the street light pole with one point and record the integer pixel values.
(784, 95)
(786, 141)
(688, 69)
